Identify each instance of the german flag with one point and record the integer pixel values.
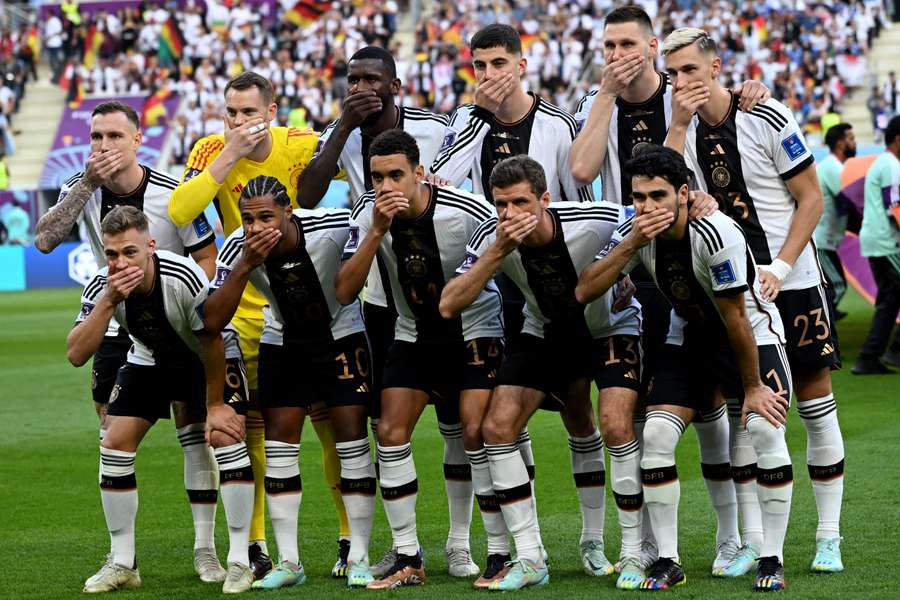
(33, 40)
(467, 73)
(171, 41)
(76, 91)
(307, 12)
(92, 42)
(154, 109)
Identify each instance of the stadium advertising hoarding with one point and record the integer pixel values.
(72, 143)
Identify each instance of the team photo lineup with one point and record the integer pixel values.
(475, 271)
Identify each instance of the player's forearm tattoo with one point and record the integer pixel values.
(53, 227)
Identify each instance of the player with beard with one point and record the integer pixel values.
(113, 177)
(628, 111)
(724, 335)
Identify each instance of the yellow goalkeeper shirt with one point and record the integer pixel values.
(292, 149)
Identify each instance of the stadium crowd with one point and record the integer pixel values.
(807, 53)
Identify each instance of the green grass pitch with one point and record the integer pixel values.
(54, 535)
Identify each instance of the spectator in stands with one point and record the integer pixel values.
(17, 222)
(54, 36)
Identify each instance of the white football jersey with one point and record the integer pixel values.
(299, 286)
(712, 259)
(477, 141)
(743, 162)
(427, 128)
(161, 324)
(421, 256)
(631, 127)
(547, 275)
(152, 197)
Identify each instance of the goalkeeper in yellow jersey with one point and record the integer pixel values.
(217, 170)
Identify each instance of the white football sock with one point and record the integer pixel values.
(524, 444)
(586, 455)
(358, 492)
(625, 478)
(284, 493)
(774, 480)
(662, 489)
(494, 525)
(743, 473)
(118, 493)
(513, 490)
(825, 461)
(458, 483)
(715, 463)
(201, 481)
(399, 491)
(236, 488)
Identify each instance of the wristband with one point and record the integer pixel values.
(778, 268)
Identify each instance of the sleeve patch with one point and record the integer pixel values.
(467, 263)
(191, 174)
(353, 240)
(221, 275)
(201, 226)
(723, 273)
(86, 309)
(607, 249)
(579, 125)
(793, 145)
(449, 138)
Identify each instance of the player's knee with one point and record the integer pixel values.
(617, 431)
(391, 434)
(493, 431)
(768, 440)
(220, 439)
(472, 435)
(660, 436)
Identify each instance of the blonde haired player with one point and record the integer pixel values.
(217, 170)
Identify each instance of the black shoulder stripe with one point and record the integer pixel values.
(584, 100)
(580, 208)
(94, 288)
(569, 122)
(714, 235)
(231, 248)
(191, 286)
(482, 231)
(585, 193)
(449, 193)
(776, 116)
(171, 267)
(75, 178)
(704, 235)
(361, 203)
(625, 228)
(767, 119)
(326, 226)
(470, 132)
(326, 218)
(466, 207)
(577, 218)
(162, 176)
